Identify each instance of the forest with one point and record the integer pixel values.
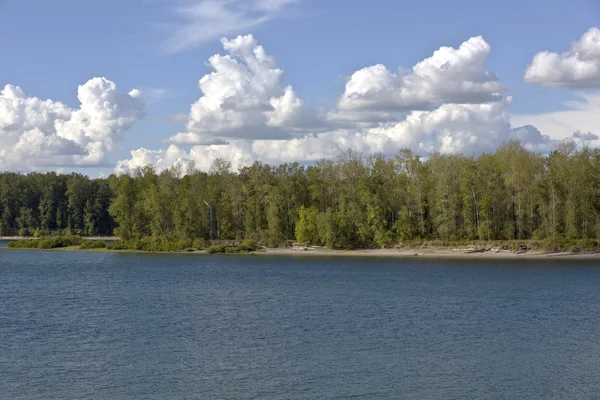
(350, 202)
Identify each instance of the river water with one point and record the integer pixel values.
(135, 326)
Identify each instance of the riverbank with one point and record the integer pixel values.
(104, 238)
(434, 254)
(450, 254)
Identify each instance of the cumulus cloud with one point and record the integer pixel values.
(37, 133)
(448, 103)
(201, 20)
(577, 68)
(244, 98)
(449, 76)
(452, 128)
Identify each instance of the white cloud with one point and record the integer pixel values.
(449, 76)
(37, 133)
(577, 68)
(579, 115)
(203, 20)
(153, 95)
(160, 159)
(450, 103)
(244, 98)
(452, 128)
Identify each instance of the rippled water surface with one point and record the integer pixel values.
(132, 326)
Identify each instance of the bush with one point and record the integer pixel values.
(220, 249)
(179, 245)
(553, 244)
(59, 242)
(24, 244)
(92, 245)
(247, 246)
(47, 243)
(199, 244)
(588, 244)
(117, 245)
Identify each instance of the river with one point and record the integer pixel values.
(123, 326)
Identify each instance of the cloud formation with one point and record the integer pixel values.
(244, 98)
(451, 104)
(42, 133)
(448, 76)
(578, 68)
(579, 115)
(199, 21)
(452, 128)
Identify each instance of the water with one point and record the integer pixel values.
(124, 326)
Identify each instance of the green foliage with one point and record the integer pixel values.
(117, 245)
(353, 201)
(24, 244)
(247, 246)
(47, 243)
(92, 245)
(219, 249)
(59, 242)
(199, 244)
(307, 230)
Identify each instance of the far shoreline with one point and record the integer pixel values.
(438, 254)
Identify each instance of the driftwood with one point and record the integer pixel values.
(477, 251)
(505, 247)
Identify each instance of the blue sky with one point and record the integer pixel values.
(51, 47)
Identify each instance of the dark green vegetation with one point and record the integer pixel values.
(350, 202)
(146, 244)
(45, 204)
(48, 243)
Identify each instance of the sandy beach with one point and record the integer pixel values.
(433, 254)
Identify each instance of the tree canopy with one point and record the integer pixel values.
(350, 202)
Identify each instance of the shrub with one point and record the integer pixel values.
(179, 245)
(199, 244)
(59, 242)
(219, 249)
(24, 244)
(247, 246)
(117, 245)
(588, 244)
(92, 244)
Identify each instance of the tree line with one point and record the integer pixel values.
(350, 202)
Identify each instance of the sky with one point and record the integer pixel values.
(109, 86)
